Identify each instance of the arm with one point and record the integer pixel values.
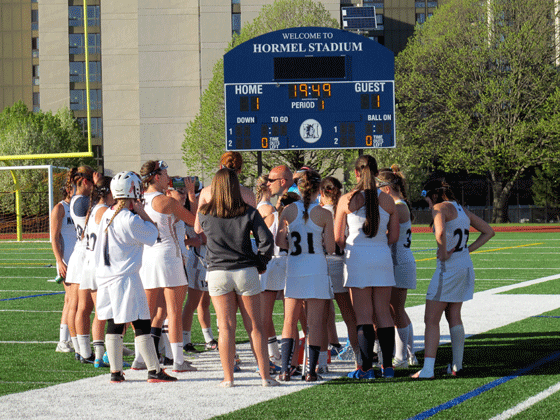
(269, 220)
(388, 204)
(138, 208)
(282, 234)
(57, 216)
(202, 199)
(168, 205)
(486, 232)
(264, 240)
(340, 222)
(328, 233)
(439, 227)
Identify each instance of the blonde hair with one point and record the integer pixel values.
(121, 202)
(261, 187)
(332, 189)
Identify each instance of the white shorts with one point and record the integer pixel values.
(122, 300)
(405, 275)
(452, 282)
(366, 266)
(163, 272)
(244, 282)
(335, 265)
(275, 276)
(89, 281)
(75, 267)
(196, 272)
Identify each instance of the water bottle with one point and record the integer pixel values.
(59, 279)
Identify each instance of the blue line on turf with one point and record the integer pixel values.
(25, 297)
(424, 250)
(462, 398)
(545, 316)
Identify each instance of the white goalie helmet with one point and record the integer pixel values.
(127, 185)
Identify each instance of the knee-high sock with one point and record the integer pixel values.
(287, 352)
(64, 334)
(366, 338)
(99, 349)
(457, 346)
(85, 345)
(314, 352)
(273, 348)
(156, 335)
(114, 343)
(147, 349)
(410, 344)
(401, 343)
(387, 342)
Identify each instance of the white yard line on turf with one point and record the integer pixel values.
(527, 403)
(196, 394)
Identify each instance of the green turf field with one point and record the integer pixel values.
(30, 309)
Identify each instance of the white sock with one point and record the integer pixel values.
(457, 346)
(64, 334)
(99, 349)
(146, 347)
(208, 335)
(137, 356)
(274, 348)
(428, 369)
(114, 344)
(410, 344)
(75, 344)
(186, 338)
(164, 341)
(177, 351)
(401, 341)
(84, 345)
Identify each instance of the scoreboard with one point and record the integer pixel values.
(309, 88)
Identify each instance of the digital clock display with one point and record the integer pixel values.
(309, 88)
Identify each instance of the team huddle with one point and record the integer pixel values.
(134, 245)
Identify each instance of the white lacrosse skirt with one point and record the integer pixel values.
(161, 271)
(335, 266)
(453, 281)
(275, 276)
(405, 275)
(123, 300)
(75, 268)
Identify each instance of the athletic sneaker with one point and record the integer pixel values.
(99, 363)
(273, 369)
(236, 367)
(412, 360)
(212, 345)
(90, 359)
(160, 376)
(459, 373)
(105, 358)
(336, 349)
(295, 371)
(117, 377)
(312, 377)
(64, 347)
(184, 367)
(136, 365)
(322, 369)
(77, 356)
(189, 348)
(401, 364)
(360, 374)
(387, 372)
(166, 361)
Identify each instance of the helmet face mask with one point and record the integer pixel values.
(127, 185)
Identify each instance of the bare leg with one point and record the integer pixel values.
(345, 305)
(226, 309)
(251, 305)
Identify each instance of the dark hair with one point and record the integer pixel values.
(148, 171)
(100, 190)
(287, 198)
(394, 178)
(439, 188)
(82, 173)
(366, 166)
(332, 188)
(226, 201)
(308, 184)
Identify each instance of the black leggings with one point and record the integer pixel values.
(141, 327)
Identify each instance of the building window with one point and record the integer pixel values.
(76, 16)
(432, 4)
(420, 18)
(235, 1)
(36, 101)
(76, 42)
(34, 20)
(96, 127)
(236, 23)
(78, 99)
(372, 3)
(36, 75)
(78, 71)
(420, 4)
(35, 47)
(98, 154)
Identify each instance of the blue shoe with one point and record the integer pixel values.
(360, 374)
(388, 372)
(125, 364)
(236, 368)
(105, 358)
(273, 369)
(99, 363)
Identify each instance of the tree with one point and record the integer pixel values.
(478, 89)
(204, 137)
(24, 132)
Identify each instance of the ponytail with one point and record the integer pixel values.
(121, 202)
(366, 166)
(308, 184)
